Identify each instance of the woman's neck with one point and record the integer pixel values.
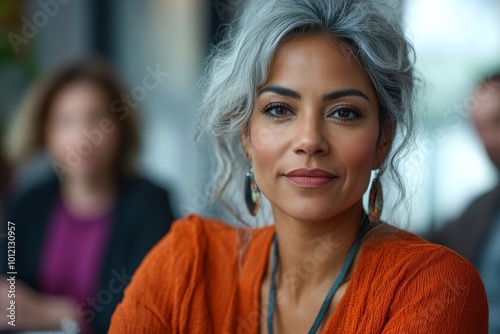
(311, 253)
(88, 196)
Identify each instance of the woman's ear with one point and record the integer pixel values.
(384, 145)
(246, 141)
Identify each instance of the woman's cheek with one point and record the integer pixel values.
(357, 156)
(57, 141)
(266, 143)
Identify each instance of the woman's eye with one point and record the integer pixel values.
(346, 114)
(278, 111)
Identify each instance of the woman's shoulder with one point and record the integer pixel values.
(404, 259)
(396, 247)
(183, 252)
(423, 282)
(197, 257)
(198, 236)
(192, 232)
(196, 231)
(201, 226)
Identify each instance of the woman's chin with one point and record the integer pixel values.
(309, 215)
(85, 171)
(317, 211)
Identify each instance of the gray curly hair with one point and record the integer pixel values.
(239, 65)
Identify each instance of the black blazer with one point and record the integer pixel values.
(467, 234)
(141, 216)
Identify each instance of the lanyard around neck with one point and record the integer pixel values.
(324, 307)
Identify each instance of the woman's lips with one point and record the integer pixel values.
(310, 178)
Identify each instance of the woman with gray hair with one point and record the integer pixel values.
(305, 99)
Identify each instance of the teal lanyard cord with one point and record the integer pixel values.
(324, 307)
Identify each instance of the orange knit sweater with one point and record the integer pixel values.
(192, 282)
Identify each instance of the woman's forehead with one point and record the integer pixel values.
(317, 62)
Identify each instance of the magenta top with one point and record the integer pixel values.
(73, 254)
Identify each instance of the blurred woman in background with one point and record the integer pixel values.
(83, 228)
(475, 235)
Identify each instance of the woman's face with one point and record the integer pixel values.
(314, 130)
(486, 118)
(80, 133)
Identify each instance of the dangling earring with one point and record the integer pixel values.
(252, 193)
(376, 200)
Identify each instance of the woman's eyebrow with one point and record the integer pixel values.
(280, 91)
(343, 93)
(283, 91)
